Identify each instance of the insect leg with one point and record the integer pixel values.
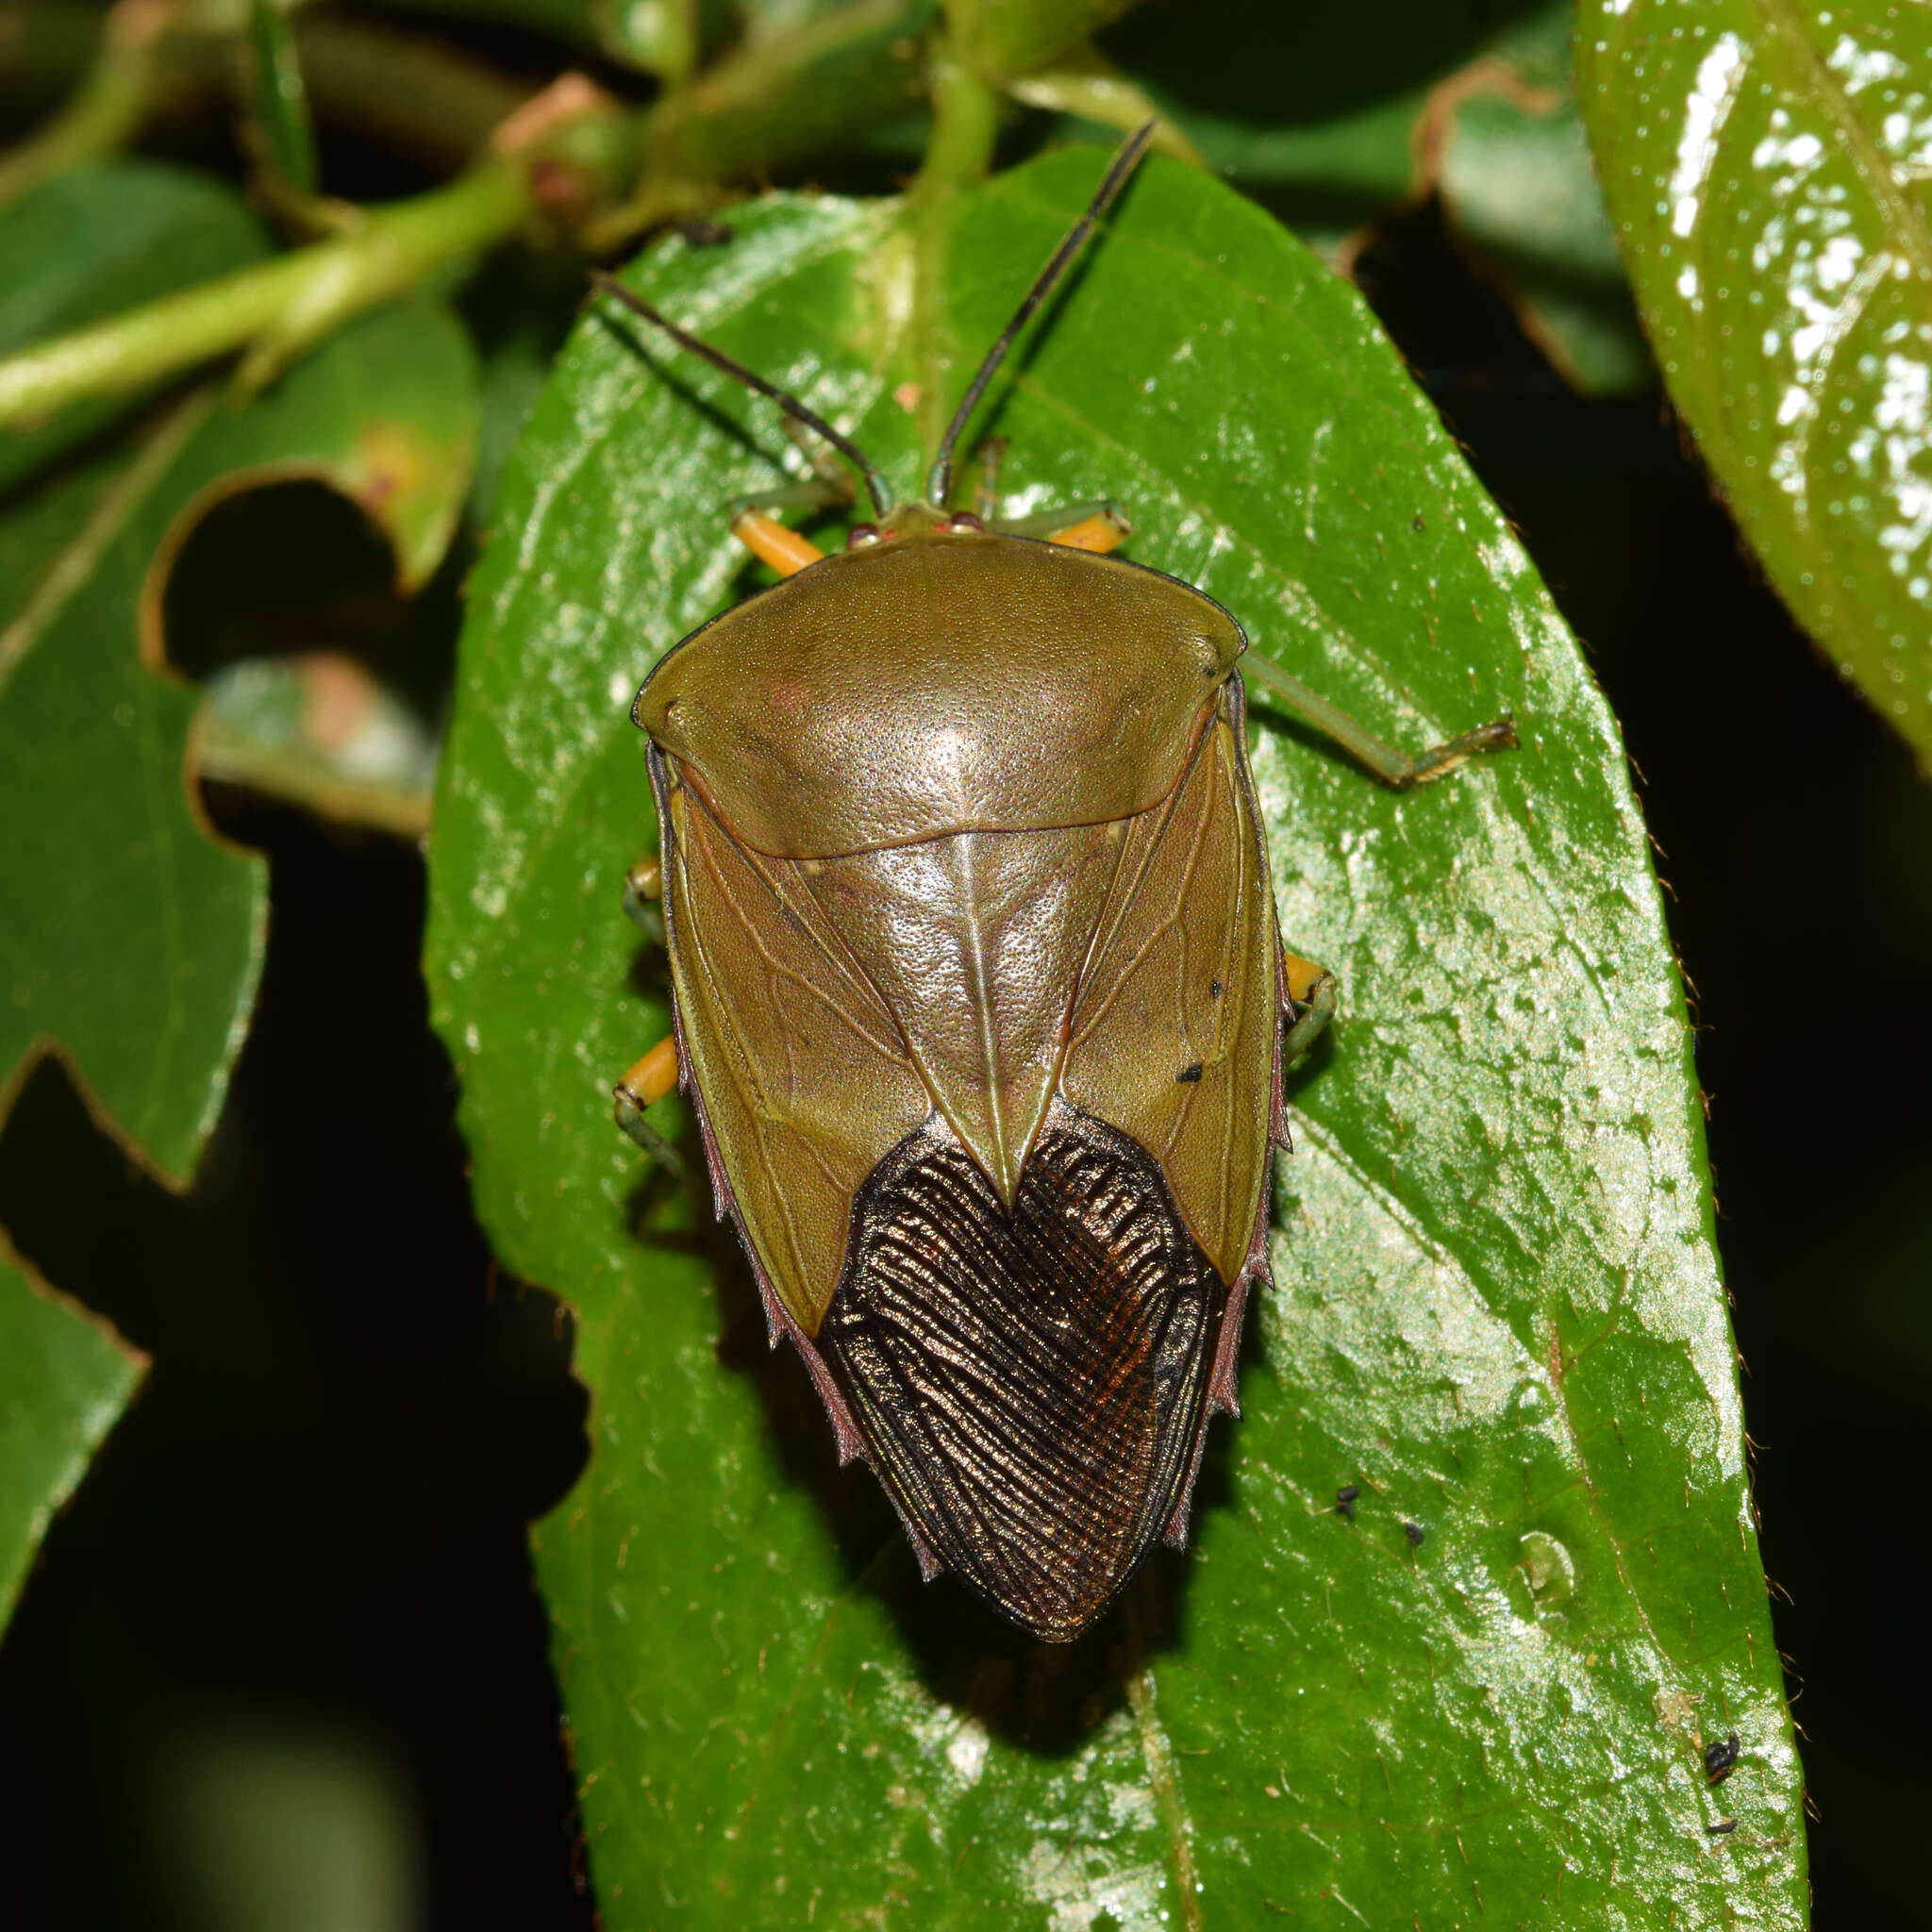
(650, 1081)
(1312, 994)
(828, 487)
(1100, 526)
(812, 494)
(1394, 768)
(768, 539)
(643, 885)
(988, 499)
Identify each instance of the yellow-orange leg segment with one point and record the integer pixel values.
(1097, 526)
(648, 1082)
(770, 541)
(1107, 531)
(1312, 994)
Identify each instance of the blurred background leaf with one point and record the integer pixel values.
(1512, 165)
(1767, 171)
(1335, 119)
(1497, 1310)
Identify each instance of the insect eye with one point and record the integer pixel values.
(861, 534)
(965, 519)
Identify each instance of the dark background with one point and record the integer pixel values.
(291, 1605)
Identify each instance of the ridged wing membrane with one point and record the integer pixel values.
(1031, 1379)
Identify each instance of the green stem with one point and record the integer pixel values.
(400, 89)
(774, 103)
(280, 306)
(1006, 38)
(101, 117)
(965, 125)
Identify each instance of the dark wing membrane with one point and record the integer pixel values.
(1175, 1030)
(1031, 1386)
(803, 1080)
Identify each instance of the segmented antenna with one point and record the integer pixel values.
(881, 494)
(939, 485)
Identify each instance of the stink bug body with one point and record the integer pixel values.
(979, 997)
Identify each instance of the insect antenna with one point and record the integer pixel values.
(941, 482)
(880, 491)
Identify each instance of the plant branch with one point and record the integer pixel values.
(965, 125)
(409, 93)
(277, 307)
(1005, 39)
(103, 114)
(776, 102)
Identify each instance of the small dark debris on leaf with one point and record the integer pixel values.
(1723, 1828)
(1415, 1533)
(1720, 1759)
(1418, 524)
(1188, 1074)
(1344, 1501)
(701, 233)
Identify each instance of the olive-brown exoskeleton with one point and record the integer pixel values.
(978, 1001)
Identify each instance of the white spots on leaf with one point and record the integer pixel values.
(1861, 67)
(967, 1752)
(1719, 75)
(1507, 561)
(1890, 450)
(1077, 1884)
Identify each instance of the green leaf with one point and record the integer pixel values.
(1497, 1308)
(1335, 120)
(65, 1379)
(1765, 166)
(1314, 111)
(322, 732)
(129, 939)
(93, 242)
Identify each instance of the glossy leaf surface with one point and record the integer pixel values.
(97, 240)
(129, 939)
(1497, 1312)
(64, 1380)
(1767, 166)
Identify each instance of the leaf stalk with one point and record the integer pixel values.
(276, 306)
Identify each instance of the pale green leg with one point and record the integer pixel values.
(1309, 1018)
(630, 1116)
(811, 493)
(1394, 768)
(828, 487)
(642, 887)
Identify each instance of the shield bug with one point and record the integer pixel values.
(979, 998)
